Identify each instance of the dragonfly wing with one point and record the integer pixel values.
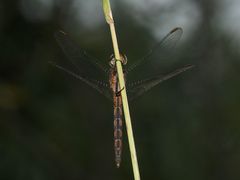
(136, 89)
(82, 66)
(159, 58)
(100, 86)
(161, 51)
(84, 63)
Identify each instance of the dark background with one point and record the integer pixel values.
(53, 126)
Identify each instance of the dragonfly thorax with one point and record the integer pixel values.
(112, 62)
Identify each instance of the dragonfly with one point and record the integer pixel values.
(91, 71)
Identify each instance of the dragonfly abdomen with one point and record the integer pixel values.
(118, 131)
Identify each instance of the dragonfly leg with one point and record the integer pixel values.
(119, 92)
(123, 60)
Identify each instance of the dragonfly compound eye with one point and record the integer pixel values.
(124, 59)
(112, 62)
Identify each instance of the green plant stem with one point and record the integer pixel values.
(110, 21)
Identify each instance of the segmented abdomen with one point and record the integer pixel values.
(118, 130)
(118, 121)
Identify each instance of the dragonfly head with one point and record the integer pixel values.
(112, 61)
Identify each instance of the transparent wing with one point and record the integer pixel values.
(82, 66)
(158, 58)
(136, 89)
(78, 57)
(100, 86)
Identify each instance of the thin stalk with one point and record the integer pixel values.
(110, 21)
